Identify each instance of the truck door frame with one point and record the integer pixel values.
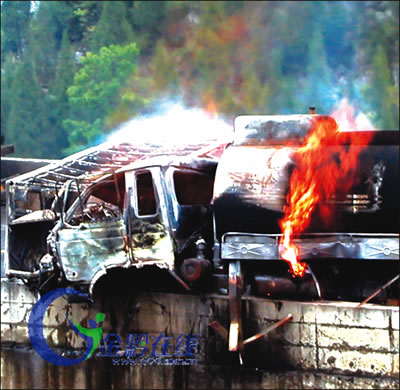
(150, 238)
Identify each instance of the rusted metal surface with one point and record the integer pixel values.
(192, 269)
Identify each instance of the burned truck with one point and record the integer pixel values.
(209, 216)
(107, 207)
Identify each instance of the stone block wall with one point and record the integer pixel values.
(326, 345)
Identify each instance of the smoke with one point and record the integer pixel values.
(173, 124)
(345, 115)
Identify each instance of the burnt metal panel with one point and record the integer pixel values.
(86, 250)
(256, 175)
(272, 129)
(107, 158)
(246, 246)
(340, 246)
(12, 166)
(150, 238)
(252, 183)
(188, 221)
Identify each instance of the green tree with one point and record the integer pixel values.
(164, 76)
(271, 32)
(82, 22)
(378, 59)
(147, 19)
(27, 125)
(58, 105)
(7, 78)
(298, 19)
(339, 32)
(319, 89)
(378, 24)
(256, 96)
(98, 91)
(15, 17)
(113, 27)
(382, 93)
(211, 61)
(44, 42)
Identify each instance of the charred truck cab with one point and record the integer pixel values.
(152, 212)
(212, 221)
(143, 214)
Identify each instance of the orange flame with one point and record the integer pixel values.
(290, 252)
(320, 173)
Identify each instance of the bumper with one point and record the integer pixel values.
(248, 246)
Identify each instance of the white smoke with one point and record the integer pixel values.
(347, 118)
(173, 124)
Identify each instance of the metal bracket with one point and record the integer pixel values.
(225, 335)
(235, 306)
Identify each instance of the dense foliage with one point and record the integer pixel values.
(74, 70)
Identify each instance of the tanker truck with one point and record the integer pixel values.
(209, 217)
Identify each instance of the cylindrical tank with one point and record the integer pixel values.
(253, 175)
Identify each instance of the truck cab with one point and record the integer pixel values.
(149, 212)
(144, 214)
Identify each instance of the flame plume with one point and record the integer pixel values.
(320, 173)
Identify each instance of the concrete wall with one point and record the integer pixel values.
(326, 345)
